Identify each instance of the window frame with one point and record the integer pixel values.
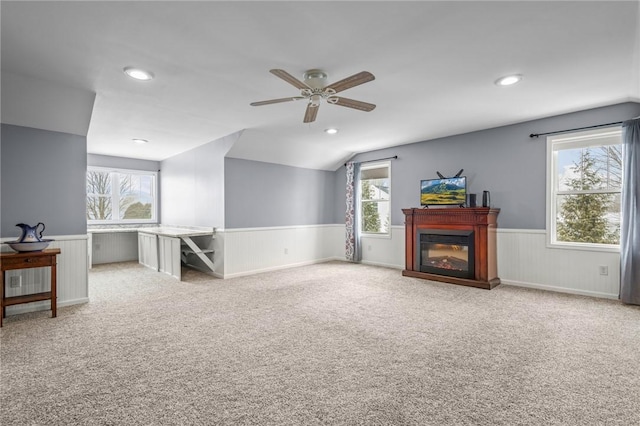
(369, 166)
(580, 139)
(115, 196)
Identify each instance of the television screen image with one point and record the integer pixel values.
(447, 191)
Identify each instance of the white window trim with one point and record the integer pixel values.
(115, 196)
(576, 139)
(376, 165)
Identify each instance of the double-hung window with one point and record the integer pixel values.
(584, 183)
(375, 198)
(121, 196)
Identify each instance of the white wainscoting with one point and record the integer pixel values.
(148, 250)
(525, 260)
(72, 276)
(252, 250)
(169, 256)
(385, 251)
(114, 247)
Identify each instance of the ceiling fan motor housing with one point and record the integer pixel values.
(316, 79)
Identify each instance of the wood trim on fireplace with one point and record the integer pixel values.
(481, 220)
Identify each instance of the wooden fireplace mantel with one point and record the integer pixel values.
(481, 220)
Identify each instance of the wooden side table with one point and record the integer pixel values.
(25, 260)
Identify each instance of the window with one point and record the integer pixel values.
(121, 196)
(375, 198)
(584, 177)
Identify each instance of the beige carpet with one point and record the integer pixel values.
(333, 343)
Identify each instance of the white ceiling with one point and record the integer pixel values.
(434, 62)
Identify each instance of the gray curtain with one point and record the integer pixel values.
(353, 251)
(630, 229)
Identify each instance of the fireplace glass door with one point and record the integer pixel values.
(446, 252)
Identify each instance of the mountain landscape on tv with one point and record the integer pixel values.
(449, 191)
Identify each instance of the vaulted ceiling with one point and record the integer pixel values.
(434, 63)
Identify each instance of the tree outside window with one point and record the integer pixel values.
(99, 205)
(586, 188)
(134, 199)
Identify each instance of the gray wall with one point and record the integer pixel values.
(264, 194)
(503, 160)
(97, 160)
(43, 177)
(192, 185)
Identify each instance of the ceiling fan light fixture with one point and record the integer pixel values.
(314, 100)
(331, 131)
(140, 141)
(508, 80)
(138, 74)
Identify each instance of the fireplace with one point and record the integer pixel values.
(445, 252)
(454, 245)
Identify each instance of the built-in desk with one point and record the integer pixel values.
(165, 249)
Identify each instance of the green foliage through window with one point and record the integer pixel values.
(587, 186)
(134, 199)
(375, 199)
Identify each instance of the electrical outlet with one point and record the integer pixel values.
(286, 251)
(604, 270)
(369, 247)
(15, 282)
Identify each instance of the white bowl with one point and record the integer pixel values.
(29, 245)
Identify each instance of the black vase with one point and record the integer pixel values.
(472, 200)
(486, 199)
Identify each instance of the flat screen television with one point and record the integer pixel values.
(443, 192)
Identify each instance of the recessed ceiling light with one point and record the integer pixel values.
(331, 131)
(140, 141)
(508, 80)
(138, 74)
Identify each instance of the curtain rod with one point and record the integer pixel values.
(395, 157)
(535, 135)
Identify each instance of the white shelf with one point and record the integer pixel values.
(190, 251)
(205, 255)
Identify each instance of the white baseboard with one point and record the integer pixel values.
(44, 305)
(280, 267)
(73, 302)
(384, 265)
(559, 289)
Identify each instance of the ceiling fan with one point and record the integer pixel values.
(314, 89)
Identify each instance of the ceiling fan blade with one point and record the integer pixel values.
(310, 113)
(289, 78)
(349, 82)
(351, 103)
(276, 101)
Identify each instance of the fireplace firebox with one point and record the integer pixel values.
(446, 252)
(453, 245)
